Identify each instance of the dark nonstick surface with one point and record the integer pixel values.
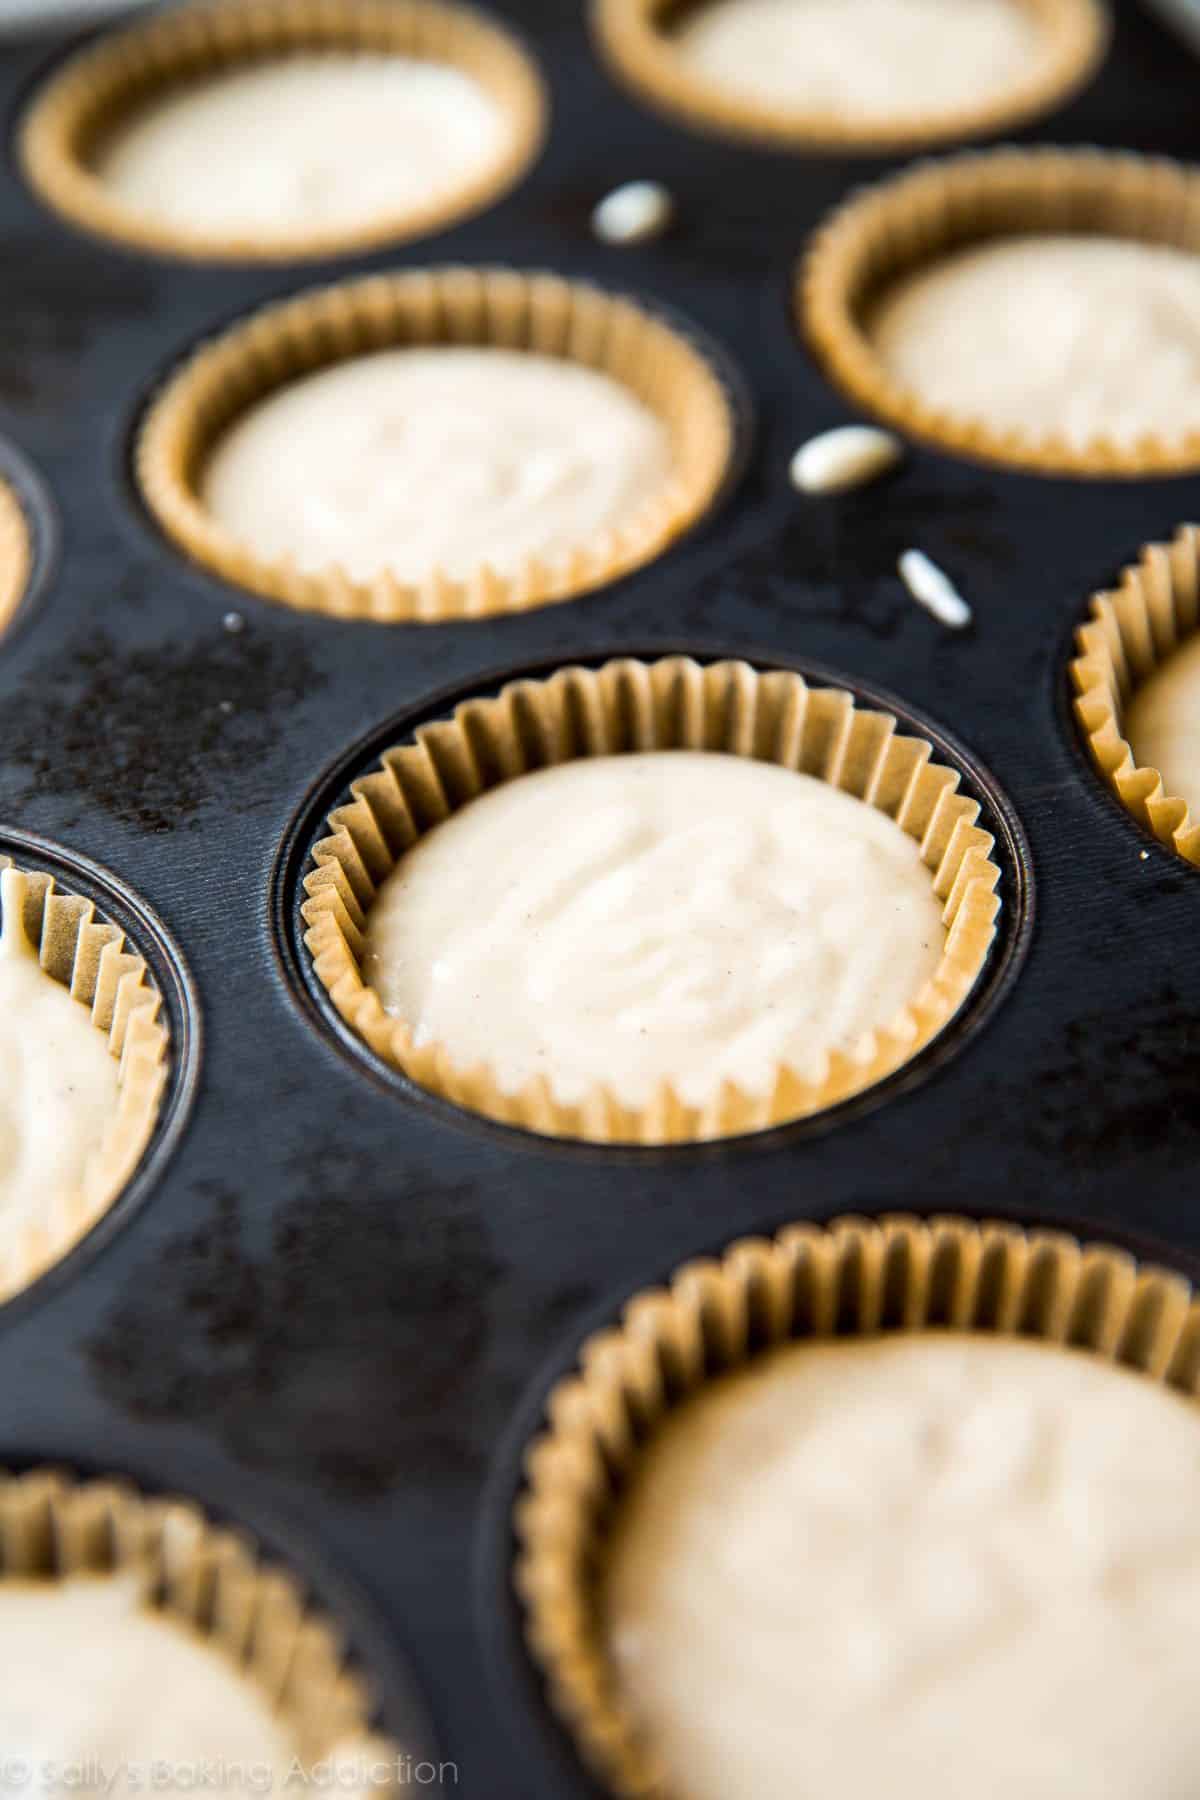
(319, 1317)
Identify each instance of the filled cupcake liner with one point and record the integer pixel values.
(1133, 629)
(98, 88)
(91, 959)
(499, 308)
(854, 1278)
(209, 1580)
(886, 231)
(635, 37)
(16, 553)
(628, 706)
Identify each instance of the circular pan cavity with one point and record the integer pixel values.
(644, 1134)
(635, 37)
(671, 368)
(261, 1597)
(146, 941)
(28, 540)
(1131, 633)
(1066, 1278)
(911, 220)
(99, 87)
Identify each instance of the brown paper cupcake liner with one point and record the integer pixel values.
(635, 37)
(91, 960)
(914, 219)
(857, 1277)
(628, 706)
(98, 89)
(1133, 629)
(16, 554)
(210, 1581)
(494, 307)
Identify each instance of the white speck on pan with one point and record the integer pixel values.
(847, 457)
(633, 213)
(933, 589)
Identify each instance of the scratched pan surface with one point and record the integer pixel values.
(321, 1311)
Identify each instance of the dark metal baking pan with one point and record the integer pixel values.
(327, 1303)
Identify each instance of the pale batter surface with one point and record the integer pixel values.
(873, 60)
(675, 916)
(1079, 336)
(58, 1083)
(95, 1681)
(414, 460)
(303, 143)
(1163, 724)
(923, 1568)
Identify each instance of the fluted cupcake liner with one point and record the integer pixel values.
(635, 37)
(209, 1580)
(854, 1278)
(16, 554)
(453, 306)
(91, 959)
(1133, 629)
(102, 86)
(629, 706)
(912, 220)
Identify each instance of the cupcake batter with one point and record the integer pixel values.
(96, 1680)
(919, 1566)
(290, 146)
(1163, 724)
(58, 1083)
(871, 60)
(675, 916)
(414, 460)
(1077, 336)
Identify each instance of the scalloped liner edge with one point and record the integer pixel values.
(856, 1276)
(629, 705)
(1133, 628)
(641, 54)
(571, 320)
(99, 85)
(88, 956)
(210, 1580)
(910, 219)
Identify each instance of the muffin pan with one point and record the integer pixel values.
(316, 1308)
